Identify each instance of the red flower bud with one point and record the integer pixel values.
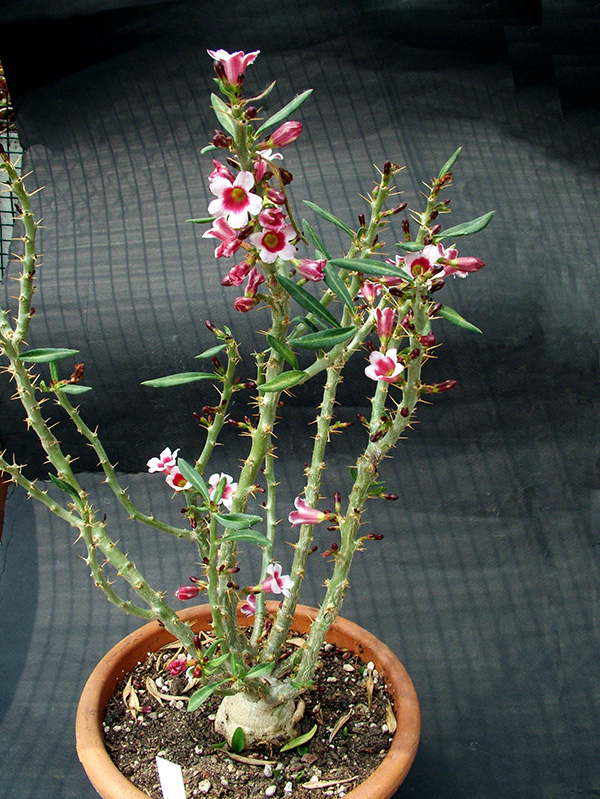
(186, 592)
(285, 134)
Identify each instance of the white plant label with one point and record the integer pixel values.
(171, 779)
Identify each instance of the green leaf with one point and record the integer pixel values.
(64, 486)
(321, 249)
(216, 662)
(201, 695)
(47, 355)
(304, 320)
(337, 285)
(450, 315)
(193, 477)
(367, 267)
(238, 740)
(236, 667)
(284, 112)
(205, 220)
(223, 114)
(251, 536)
(282, 349)
(73, 388)
(212, 351)
(410, 246)
(449, 163)
(466, 228)
(237, 521)
(329, 217)
(283, 381)
(324, 339)
(260, 670)
(179, 379)
(208, 149)
(307, 301)
(301, 739)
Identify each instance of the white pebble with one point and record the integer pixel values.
(271, 790)
(288, 787)
(268, 771)
(348, 667)
(204, 786)
(331, 679)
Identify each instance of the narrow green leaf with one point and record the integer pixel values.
(337, 285)
(205, 220)
(192, 476)
(450, 315)
(212, 351)
(237, 521)
(249, 536)
(466, 228)
(410, 246)
(324, 338)
(260, 670)
(304, 320)
(238, 740)
(449, 163)
(367, 267)
(283, 381)
(315, 240)
(208, 149)
(282, 349)
(64, 486)
(282, 114)
(307, 301)
(201, 695)
(179, 379)
(301, 739)
(74, 388)
(217, 662)
(47, 355)
(329, 217)
(223, 114)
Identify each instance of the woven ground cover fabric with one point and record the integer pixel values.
(486, 581)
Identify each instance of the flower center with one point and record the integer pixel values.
(271, 241)
(238, 196)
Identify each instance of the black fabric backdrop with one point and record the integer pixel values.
(486, 581)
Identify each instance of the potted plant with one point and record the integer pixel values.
(319, 311)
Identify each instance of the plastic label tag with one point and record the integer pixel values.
(171, 779)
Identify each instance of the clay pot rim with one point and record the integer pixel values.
(110, 783)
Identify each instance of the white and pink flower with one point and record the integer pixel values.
(274, 244)
(228, 491)
(384, 366)
(176, 480)
(227, 235)
(248, 606)
(277, 583)
(386, 324)
(235, 201)
(261, 166)
(304, 514)
(164, 463)
(311, 270)
(232, 66)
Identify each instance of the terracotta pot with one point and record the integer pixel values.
(111, 784)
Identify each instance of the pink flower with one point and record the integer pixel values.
(230, 242)
(230, 488)
(185, 592)
(285, 134)
(248, 607)
(276, 195)
(277, 583)
(304, 514)
(311, 270)
(386, 324)
(234, 200)
(220, 171)
(249, 300)
(232, 66)
(261, 166)
(176, 480)
(272, 219)
(274, 244)
(418, 263)
(245, 304)
(460, 267)
(177, 666)
(370, 290)
(164, 463)
(384, 367)
(236, 275)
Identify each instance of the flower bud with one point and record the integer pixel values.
(361, 220)
(250, 112)
(406, 229)
(221, 140)
(286, 177)
(177, 666)
(435, 230)
(404, 412)
(276, 195)
(435, 308)
(245, 304)
(285, 134)
(186, 592)
(436, 285)
(429, 340)
(447, 385)
(387, 168)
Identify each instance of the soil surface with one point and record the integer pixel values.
(349, 706)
